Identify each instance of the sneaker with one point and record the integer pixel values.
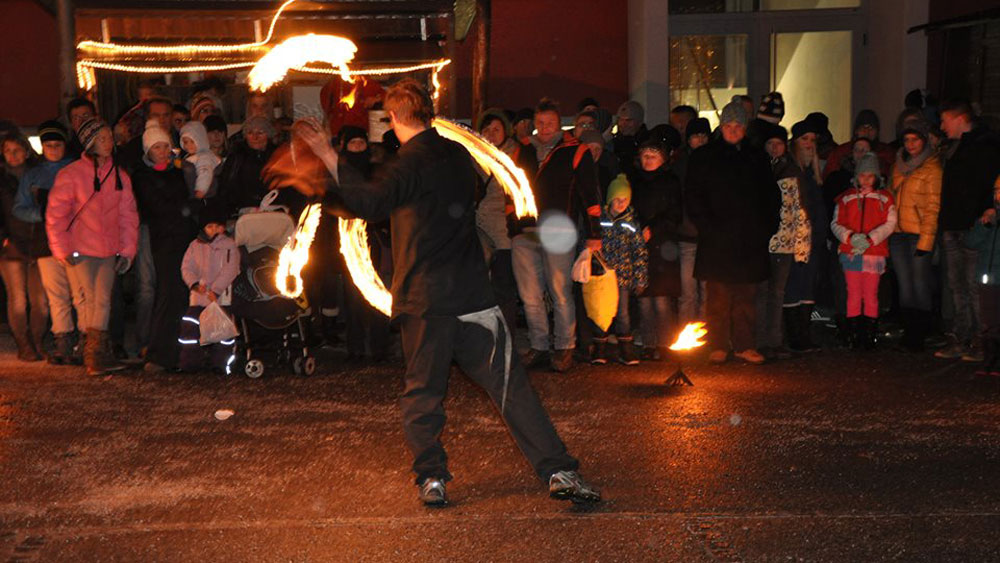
(626, 352)
(569, 485)
(599, 356)
(535, 358)
(432, 492)
(950, 352)
(750, 356)
(562, 360)
(718, 356)
(973, 354)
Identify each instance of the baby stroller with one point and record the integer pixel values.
(271, 324)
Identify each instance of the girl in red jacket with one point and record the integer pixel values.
(863, 218)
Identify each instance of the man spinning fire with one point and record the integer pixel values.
(441, 295)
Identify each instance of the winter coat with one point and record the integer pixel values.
(99, 224)
(213, 263)
(23, 241)
(656, 198)
(872, 214)
(731, 197)
(968, 179)
(918, 198)
(29, 204)
(567, 182)
(162, 199)
(428, 193)
(624, 249)
(240, 182)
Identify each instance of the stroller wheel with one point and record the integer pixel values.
(304, 366)
(254, 369)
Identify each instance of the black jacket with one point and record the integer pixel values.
(567, 182)
(428, 193)
(626, 149)
(732, 197)
(23, 241)
(162, 199)
(656, 197)
(967, 182)
(240, 182)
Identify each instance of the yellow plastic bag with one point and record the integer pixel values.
(600, 295)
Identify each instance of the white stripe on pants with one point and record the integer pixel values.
(92, 281)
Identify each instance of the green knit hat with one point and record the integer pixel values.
(619, 187)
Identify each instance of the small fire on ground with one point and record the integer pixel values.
(690, 337)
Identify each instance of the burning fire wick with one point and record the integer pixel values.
(689, 339)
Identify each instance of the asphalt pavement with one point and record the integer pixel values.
(835, 456)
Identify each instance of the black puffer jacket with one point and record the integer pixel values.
(162, 200)
(731, 196)
(656, 197)
(22, 241)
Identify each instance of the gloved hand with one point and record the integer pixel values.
(918, 253)
(122, 264)
(859, 244)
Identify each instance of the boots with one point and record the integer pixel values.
(792, 329)
(63, 353)
(626, 351)
(76, 358)
(805, 327)
(868, 333)
(26, 351)
(97, 355)
(915, 324)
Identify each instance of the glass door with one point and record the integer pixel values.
(813, 72)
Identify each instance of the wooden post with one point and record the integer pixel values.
(67, 52)
(481, 59)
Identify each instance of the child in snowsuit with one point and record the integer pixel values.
(194, 141)
(864, 216)
(210, 265)
(624, 250)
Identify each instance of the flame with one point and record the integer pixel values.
(350, 98)
(494, 161)
(358, 257)
(295, 254)
(690, 337)
(296, 52)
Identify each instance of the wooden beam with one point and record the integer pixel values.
(481, 59)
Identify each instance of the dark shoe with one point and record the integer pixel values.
(432, 492)
(599, 356)
(869, 333)
(534, 359)
(750, 356)
(793, 328)
(26, 352)
(626, 352)
(569, 485)
(650, 354)
(92, 353)
(63, 353)
(562, 360)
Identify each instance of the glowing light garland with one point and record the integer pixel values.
(116, 49)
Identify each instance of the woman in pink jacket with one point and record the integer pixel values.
(93, 226)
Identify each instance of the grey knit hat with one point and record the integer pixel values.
(262, 124)
(867, 164)
(633, 110)
(734, 111)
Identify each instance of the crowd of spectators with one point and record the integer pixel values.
(756, 229)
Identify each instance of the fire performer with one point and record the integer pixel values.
(441, 295)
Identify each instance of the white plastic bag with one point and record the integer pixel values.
(581, 268)
(216, 325)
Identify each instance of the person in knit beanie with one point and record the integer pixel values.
(623, 250)
(631, 133)
(863, 220)
(772, 108)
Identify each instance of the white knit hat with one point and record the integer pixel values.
(152, 135)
